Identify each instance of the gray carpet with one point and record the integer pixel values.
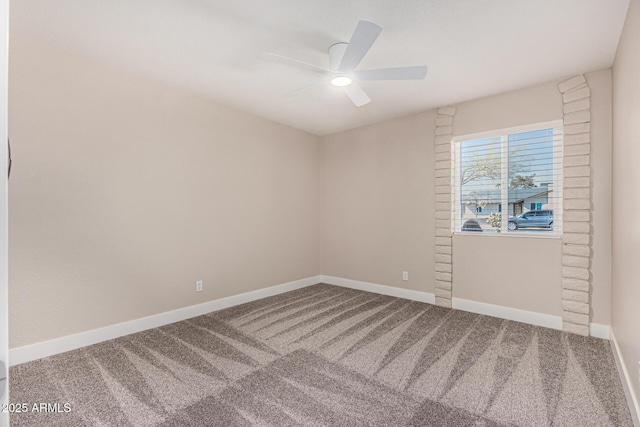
(330, 356)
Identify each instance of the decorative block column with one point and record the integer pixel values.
(576, 199)
(444, 194)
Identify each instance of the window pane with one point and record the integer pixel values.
(531, 172)
(480, 172)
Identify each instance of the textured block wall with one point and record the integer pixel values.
(443, 187)
(576, 236)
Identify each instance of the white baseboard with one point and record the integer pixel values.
(599, 330)
(546, 320)
(530, 317)
(71, 342)
(632, 399)
(380, 289)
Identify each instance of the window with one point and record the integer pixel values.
(520, 169)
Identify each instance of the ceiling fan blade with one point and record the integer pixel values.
(361, 41)
(357, 95)
(397, 73)
(295, 62)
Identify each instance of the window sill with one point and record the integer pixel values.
(521, 234)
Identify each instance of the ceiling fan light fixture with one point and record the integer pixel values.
(341, 80)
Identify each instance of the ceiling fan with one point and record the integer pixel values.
(345, 57)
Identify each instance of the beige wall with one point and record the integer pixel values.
(377, 198)
(512, 272)
(601, 141)
(125, 192)
(535, 104)
(530, 277)
(625, 295)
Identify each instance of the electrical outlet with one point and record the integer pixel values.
(405, 275)
(199, 286)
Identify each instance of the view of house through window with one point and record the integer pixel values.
(520, 169)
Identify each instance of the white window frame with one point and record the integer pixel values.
(557, 126)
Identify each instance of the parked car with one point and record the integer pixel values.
(471, 225)
(537, 219)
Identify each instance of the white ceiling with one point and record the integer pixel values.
(214, 48)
